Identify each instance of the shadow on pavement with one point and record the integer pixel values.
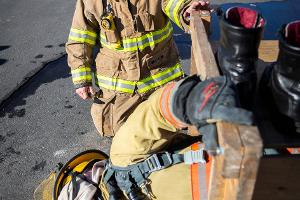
(2, 61)
(54, 70)
(4, 47)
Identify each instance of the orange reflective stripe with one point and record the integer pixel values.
(199, 172)
(165, 109)
(163, 103)
(293, 150)
(194, 176)
(208, 167)
(168, 93)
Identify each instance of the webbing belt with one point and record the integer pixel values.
(163, 160)
(140, 171)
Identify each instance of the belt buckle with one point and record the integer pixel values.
(192, 157)
(155, 164)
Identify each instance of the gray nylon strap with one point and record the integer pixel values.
(160, 161)
(140, 171)
(108, 174)
(163, 160)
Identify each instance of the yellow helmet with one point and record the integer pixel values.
(78, 163)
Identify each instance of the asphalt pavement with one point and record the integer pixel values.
(32, 33)
(44, 124)
(42, 121)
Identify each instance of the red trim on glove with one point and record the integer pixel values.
(208, 91)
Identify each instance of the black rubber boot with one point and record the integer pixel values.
(114, 191)
(285, 76)
(241, 32)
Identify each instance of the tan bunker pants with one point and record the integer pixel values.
(147, 132)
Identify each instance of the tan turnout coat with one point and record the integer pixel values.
(145, 59)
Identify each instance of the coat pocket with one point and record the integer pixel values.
(163, 58)
(107, 65)
(102, 112)
(112, 36)
(144, 22)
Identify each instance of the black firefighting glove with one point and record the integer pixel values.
(202, 103)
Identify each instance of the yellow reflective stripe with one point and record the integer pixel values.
(115, 88)
(167, 9)
(108, 45)
(155, 76)
(81, 74)
(117, 80)
(156, 41)
(82, 78)
(84, 40)
(176, 14)
(134, 42)
(144, 85)
(171, 10)
(147, 35)
(92, 34)
(154, 80)
(82, 69)
(83, 36)
(160, 83)
(116, 84)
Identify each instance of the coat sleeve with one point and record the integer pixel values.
(82, 38)
(174, 9)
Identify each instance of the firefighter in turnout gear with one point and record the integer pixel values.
(149, 157)
(150, 154)
(137, 53)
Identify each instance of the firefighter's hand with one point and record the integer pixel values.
(211, 101)
(85, 92)
(196, 6)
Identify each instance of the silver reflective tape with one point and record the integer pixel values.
(151, 81)
(129, 45)
(172, 7)
(75, 75)
(147, 41)
(115, 84)
(79, 35)
(202, 181)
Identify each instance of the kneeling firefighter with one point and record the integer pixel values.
(137, 53)
(149, 158)
(135, 163)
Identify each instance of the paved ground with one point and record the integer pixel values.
(32, 33)
(44, 122)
